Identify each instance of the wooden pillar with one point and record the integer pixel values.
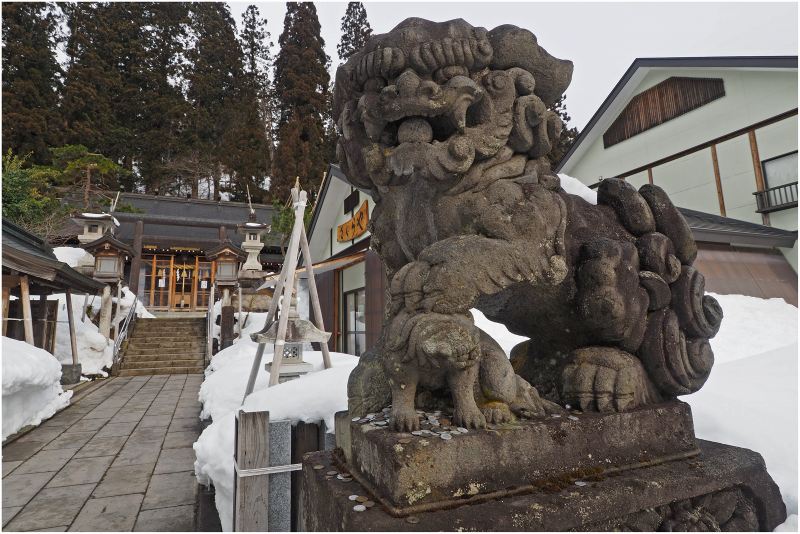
(25, 302)
(136, 262)
(105, 311)
(116, 315)
(650, 175)
(251, 451)
(239, 317)
(760, 184)
(6, 300)
(718, 180)
(43, 338)
(71, 320)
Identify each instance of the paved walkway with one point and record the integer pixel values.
(119, 459)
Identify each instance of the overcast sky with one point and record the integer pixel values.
(602, 39)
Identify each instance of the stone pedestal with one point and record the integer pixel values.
(70, 373)
(641, 469)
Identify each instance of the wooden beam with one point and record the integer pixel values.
(702, 146)
(718, 180)
(10, 280)
(25, 301)
(650, 175)
(760, 184)
(251, 451)
(6, 299)
(43, 303)
(73, 342)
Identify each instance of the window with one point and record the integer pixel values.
(252, 236)
(780, 181)
(94, 228)
(106, 265)
(355, 336)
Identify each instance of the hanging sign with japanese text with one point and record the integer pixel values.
(356, 226)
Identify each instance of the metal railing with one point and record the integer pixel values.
(777, 198)
(122, 334)
(210, 325)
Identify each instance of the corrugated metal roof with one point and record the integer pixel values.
(717, 229)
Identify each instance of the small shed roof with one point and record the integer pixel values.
(26, 253)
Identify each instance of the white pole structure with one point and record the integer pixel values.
(119, 307)
(312, 290)
(72, 339)
(85, 305)
(25, 298)
(105, 312)
(239, 317)
(277, 356)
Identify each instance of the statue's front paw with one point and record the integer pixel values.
(606, 379)
(497, 413)
(469, 417)
(404, 420)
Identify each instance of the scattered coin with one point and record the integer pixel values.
(379, 423)
(354, 419)
(361, 499)
(462, 430)
(445, 436)
(412, 519)
(556, 416)
(360, 508)
(318, 467)
(353, 497)
(342, 477)
(332, 473)
(364, 420)
(369, 504)
(580, 483)
(418, 432)
(572, 417)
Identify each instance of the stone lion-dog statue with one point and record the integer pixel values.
(448, 128)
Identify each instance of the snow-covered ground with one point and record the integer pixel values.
(31, 388)
(95, 351)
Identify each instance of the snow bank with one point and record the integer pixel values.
(573, 186)
(311, 398)
(95, 351)
(31, 389)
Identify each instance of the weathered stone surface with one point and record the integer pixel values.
(448, 126)
(408, 471)
(594, 503)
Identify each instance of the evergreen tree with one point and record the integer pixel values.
(355, 30)
(303, 107)
(31, 79)
(215, 68)
(568, 135)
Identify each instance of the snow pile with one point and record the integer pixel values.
(573, 186)
(95, 351)
(750, 399)
(31, 388)
(311, 398)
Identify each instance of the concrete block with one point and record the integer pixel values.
(102, 446)
(124, 480)
(81, 471)
(44, 461)
(171, 489)
(70, 373)
(52, 507)
(108, 514)
(19, 489)
(280, 484)
(175, 519)
(176, 440)
(175, 460)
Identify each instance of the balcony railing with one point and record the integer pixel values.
(777, 198)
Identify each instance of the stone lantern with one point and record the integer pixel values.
(95, 226)
(253, 232)
(298, 333)
(110, 256)
(227, 257)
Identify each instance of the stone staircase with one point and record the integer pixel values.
(164, 346)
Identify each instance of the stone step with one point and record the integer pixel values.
(162, 371)
(152, 364)
(172, 320)
(162, 356)
(169, 328)
(174, 343)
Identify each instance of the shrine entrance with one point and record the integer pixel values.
(175, 282)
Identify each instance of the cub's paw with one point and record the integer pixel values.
(404, 420)
(606, 379)
(529, 404)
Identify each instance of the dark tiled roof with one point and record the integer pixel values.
(717, 229)
(29, 254)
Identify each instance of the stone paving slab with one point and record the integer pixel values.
(107, 464)
(52, 507)
(175, 519)
(172, 489)
(109, 514)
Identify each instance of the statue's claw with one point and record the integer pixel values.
(605, 379)
(403, 420)
(469, 416)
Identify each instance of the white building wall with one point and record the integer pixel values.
(750, 97)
